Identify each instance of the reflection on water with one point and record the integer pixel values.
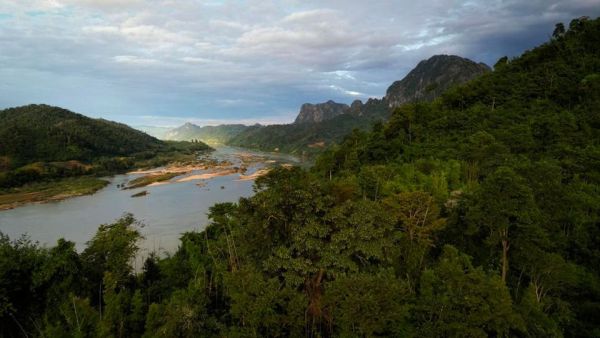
(167, 211)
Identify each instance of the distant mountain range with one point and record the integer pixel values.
(209, 134)
(319, 125)
(158, 132)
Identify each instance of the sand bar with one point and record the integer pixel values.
(255, 175)
(207, 175)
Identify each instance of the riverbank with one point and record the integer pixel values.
(247, 165)
(44, 192)
(204, 169)
(167, 209)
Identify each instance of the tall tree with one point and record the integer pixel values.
(504, 208)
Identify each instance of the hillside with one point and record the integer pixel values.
(475, 215)
(44, 133)
(209, 134)
(41, 142)
(318, 126)
(311, 138)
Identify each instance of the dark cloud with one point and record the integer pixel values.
(166, 61)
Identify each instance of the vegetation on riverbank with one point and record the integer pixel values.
(45, 143)
(140, 194)
(149, 179)
(50, 191)
(42, 182)
(49, 153)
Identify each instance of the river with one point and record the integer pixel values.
(166, 212)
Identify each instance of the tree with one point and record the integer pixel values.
(19, 298)
(75, 317)
(112, 250)
(369, 304)
(416, 215)
(456, 299)
(505, 208)
(559, 30)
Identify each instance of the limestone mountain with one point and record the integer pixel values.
(319, 125)
(209, 134)
(314, 113)
(432, 77)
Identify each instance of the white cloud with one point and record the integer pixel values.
(233, 59)
(112, 5)
(134, 60)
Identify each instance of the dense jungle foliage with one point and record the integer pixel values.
(476, 215)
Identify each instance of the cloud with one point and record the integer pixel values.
(134, 60)
(109, 5)
(249, 60)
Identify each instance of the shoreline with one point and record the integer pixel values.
(175, 172)
(46, 195)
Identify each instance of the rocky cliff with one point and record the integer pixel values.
(313, 113)
(432, 77)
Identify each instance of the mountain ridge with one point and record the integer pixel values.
(219, 134)
(431, 77)
(328, 122)
(314, 113)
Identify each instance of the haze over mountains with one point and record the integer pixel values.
(209, 134)
(318, 125)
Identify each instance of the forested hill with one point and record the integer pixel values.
(45, 133)
(321, 125)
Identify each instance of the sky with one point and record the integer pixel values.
(166, 62)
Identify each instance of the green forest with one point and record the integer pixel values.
(476, 215)
(300, 139)
(41, 143)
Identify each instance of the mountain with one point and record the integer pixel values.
(312, 138)
(44, 143)
(432, 77)
(45, 133)
(319, 125)
(158, 132)
(476, 215)
(186, 131)
(313, 113)
(209, 134)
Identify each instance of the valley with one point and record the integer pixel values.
(167, 209)
(322, 125)
(463, 203)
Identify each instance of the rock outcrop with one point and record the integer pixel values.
(432, 77)
(314, 113)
